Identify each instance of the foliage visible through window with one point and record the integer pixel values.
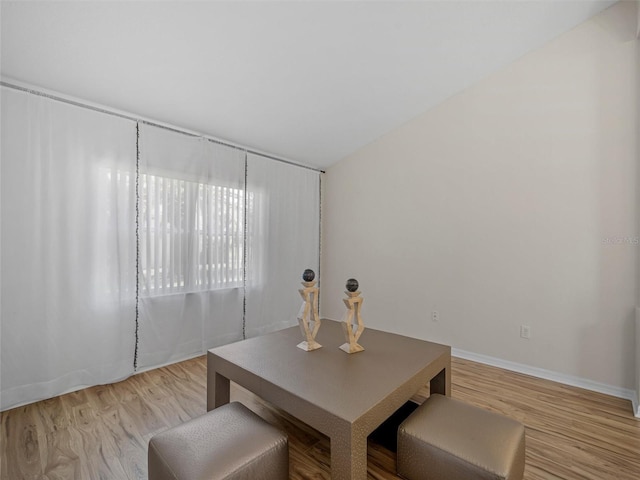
(191, 236)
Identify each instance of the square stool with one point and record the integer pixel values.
(230, 442)
(446, 439)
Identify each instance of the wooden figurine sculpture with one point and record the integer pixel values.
(352, 331)
(308, 314)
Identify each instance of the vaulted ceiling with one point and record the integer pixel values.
(309, 81)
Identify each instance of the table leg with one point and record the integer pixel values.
(349, 457)
(441, 383)
(218, 390)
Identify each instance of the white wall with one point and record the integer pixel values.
(637, 398)
(512, 203)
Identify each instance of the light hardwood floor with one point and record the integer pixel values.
(102, 432)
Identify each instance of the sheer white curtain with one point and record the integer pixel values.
(222, 239)
(191, 233)
(283, 236)
(68, 256)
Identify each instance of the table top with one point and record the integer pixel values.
(344, 385)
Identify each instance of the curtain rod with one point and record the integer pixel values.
(150, 123)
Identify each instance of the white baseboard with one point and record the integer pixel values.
(553, 376)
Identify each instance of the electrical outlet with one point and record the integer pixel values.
(435, 316)
(525, 331)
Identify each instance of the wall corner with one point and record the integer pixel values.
(636, 395)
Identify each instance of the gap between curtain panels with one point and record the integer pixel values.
(135, 352)
(244, 251)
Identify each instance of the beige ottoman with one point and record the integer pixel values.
(230, 442)
(449, 439)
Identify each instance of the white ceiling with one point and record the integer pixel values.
(307, 81)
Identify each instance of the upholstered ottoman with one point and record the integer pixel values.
(446, 439)
(230, 442)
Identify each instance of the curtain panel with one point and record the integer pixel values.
(126, 246)
(68, 256)
(191, 234)
(283, 239)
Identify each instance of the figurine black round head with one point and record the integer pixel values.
(352, 285)
(308, 275)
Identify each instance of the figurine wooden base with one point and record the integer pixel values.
(307, 347)
(351, 348)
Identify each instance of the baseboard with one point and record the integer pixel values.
(563, 378)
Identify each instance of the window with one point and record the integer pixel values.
(191, 236)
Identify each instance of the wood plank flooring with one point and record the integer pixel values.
(102, 432)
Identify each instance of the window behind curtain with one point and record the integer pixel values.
(191, 235)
